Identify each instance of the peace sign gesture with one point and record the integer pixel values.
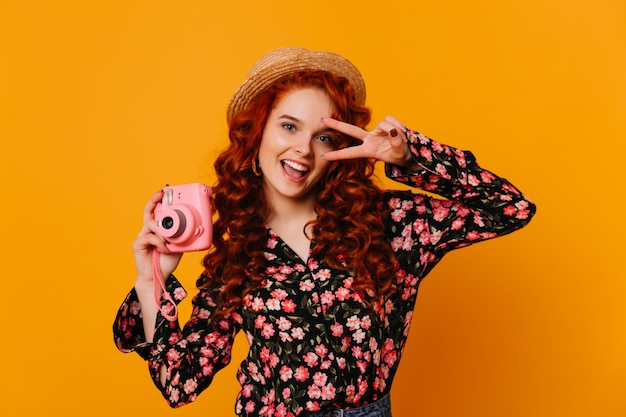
(386, 142)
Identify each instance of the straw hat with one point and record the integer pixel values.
(284, 61)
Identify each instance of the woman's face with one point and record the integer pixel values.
(293, 142)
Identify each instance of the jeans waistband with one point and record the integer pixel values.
(379, 408)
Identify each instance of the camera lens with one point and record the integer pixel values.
(167, 222)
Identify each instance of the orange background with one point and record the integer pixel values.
(103, 102)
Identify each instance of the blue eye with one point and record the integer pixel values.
(326, 139)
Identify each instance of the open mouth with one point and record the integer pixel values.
(294, 169)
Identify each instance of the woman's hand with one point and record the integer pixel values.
(387, 142)
(149, 240)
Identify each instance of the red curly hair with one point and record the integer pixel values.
(348, 232)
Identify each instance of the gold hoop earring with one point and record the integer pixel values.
(255, 168)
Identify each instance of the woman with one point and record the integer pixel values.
(317, 265)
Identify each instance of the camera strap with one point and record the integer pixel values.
(159, 289)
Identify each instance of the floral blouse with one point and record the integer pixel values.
(314, 344)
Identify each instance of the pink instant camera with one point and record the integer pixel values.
(184, 217)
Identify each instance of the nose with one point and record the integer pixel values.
(303, 145)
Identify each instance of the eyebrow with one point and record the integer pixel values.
(286, 116)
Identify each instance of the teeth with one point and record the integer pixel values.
(296, 166)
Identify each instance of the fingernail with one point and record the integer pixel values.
(322, 156)
(393, 132)
(322, 119)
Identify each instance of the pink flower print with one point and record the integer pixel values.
(509, 210)
(488, 235)
(283, 323)
(407, 244)
(350, 391)
(457, 224)
(419, 226)
(311, 359)
(388, 344)
(190, 386)
(297, 333)
(313, 264)
(174, 338)
(472, 235)
(285, 270)
(397, 243)
(341, 363)
(314, 392)
(285, 337)
(423, 139)
(321, 350)
(426, 153)
(312, 406)
(174, 395)
(478, 220)
(279, 294)
(259, 321)
(257, 304)
(249, 407)
(397, 215)
(379, 384)
(328, 297)
(301, 374)
(320, 379)
(281, 410)
(353, 322)
(436, 236)
(264, 354)
(366, 322)
(173, 355)
(286, 373)
(274, 359)
(358, 336)
(246, 390)
(322, 274)
(407, 292)
(426, 257)
(306, 285)
(522, 214)
(362, 365)
(336, 329)
(272, 304)
(394, 203)
(345, 343)
(289, 306)
(473, 180)
(268, 330)
(357, 352)
(440, 213)
(441, 170)
(424, 238)
(179, 294)
(287, 391)
(272, 242)
(487, 177)
(342, 294)
(328, 392)
(279, 277)
(390, 357)
(253, 370)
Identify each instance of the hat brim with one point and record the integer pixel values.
(282, 62)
